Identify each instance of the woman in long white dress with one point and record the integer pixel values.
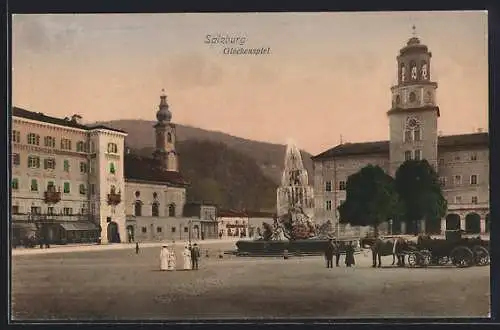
(164, 257)
(187, 257)
(171, 259)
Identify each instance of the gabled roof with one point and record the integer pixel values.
(148, 169)
(39, 116)
(459, 141)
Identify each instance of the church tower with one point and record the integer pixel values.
(414, 115)
(165, 152)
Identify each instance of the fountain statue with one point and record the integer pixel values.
(293, 228)
(294, 198)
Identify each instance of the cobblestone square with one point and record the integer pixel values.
(120, 285)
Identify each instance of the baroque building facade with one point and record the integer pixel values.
(75, 183)
(461, 161)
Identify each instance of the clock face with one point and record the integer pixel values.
(412, 123)
(413, 97)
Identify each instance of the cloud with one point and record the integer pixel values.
(43, 33)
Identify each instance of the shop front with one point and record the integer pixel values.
(79, 232)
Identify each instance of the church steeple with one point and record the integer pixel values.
(165, 152)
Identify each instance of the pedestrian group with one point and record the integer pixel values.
(191, 256)
(334, 248)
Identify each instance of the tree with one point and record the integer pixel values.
(371, 198)
(417, 184)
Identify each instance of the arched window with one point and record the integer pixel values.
(413, 70)
(137, 194)
(403, 76)
(155, 209)
(169, 137)
(171, 210)
(424, 70)
(138, 208)
(112, 148)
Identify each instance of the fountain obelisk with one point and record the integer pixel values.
(294, 191)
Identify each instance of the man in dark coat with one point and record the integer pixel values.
(195, 256)
(329, 251)
(336, 251)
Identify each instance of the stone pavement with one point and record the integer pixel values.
(106, 247)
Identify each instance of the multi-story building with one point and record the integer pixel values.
(462, 161)
(69, 179)
(205, 224)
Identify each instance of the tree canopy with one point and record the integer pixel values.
(419, 190)
(371, 198)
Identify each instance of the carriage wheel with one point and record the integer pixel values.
(462, 257)
(481, 256)
(412, 259)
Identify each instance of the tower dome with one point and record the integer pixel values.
(163, 113)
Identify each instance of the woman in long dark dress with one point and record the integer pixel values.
(349, 255)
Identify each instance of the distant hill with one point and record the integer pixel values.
(222, 175)
(269, 157)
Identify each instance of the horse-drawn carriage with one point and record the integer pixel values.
(455, 248)
(423, 251)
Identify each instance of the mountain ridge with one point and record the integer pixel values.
(268, 156)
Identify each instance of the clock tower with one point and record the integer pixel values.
(414, 114)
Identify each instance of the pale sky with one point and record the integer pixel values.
(327, 74)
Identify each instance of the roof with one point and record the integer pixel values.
(231, 214)
(382, 147)
(39, 116)
(148, 169)
(244, 214)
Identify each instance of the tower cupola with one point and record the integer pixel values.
(163, 114)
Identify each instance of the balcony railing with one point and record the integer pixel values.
(114, 198)
(51, 196)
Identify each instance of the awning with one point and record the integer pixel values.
(78, 226)
(26, 226)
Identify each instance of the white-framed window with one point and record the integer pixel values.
(474, 199)
(16, 136)
(328, 205)
(342, 185)
(408, 155)
(473, 179)
(49, 141)
(473, 156)
(441, 162)
(328, 186)
(442, 181)
(417, 154)
(457, 179)
(16, 159)
(408, 136)
(458, 199)
(112, 148)
(34, 139)
(83, 167)
(65, 144)
(67, 211)
(33, 161)
(49, 163)
(416, 134)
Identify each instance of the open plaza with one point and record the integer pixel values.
(118, 284)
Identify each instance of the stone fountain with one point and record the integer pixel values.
(293, 228)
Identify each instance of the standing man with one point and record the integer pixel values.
(336, 251)
(195, 256)
(329, 251)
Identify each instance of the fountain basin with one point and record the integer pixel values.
(312, 246)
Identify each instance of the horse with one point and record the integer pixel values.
(386, 247)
